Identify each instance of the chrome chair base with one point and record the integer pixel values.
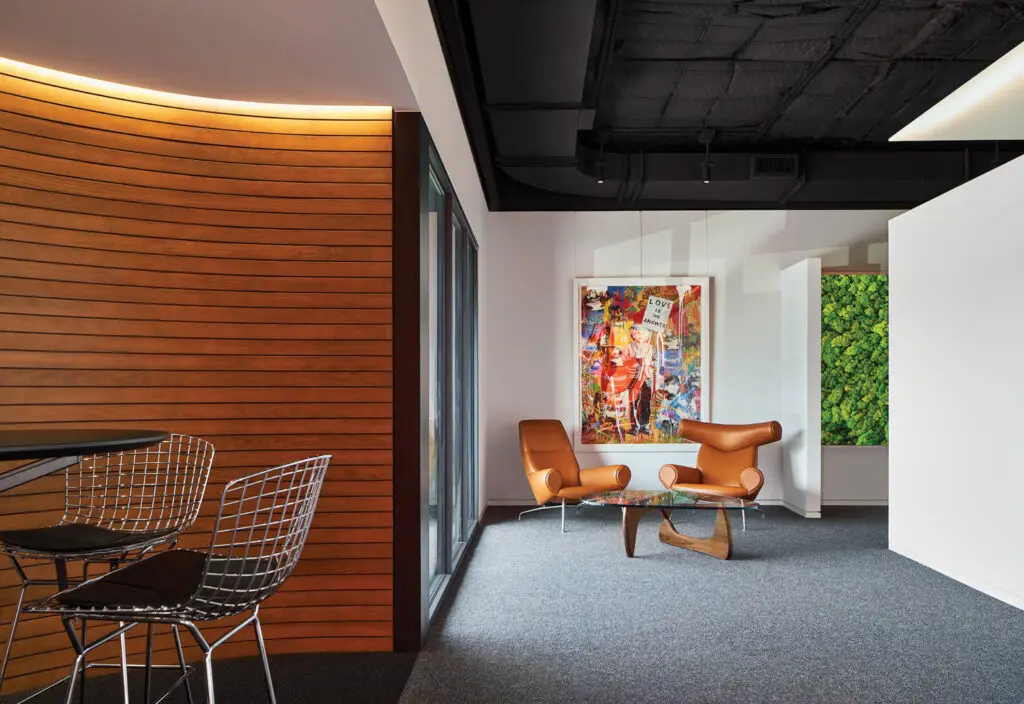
(545, 508)
(62, 583)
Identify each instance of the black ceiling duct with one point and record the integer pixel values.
(601, 104)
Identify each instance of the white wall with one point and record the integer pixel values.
(532, 259)
(956, 389)
(854, 476)
(801, 387)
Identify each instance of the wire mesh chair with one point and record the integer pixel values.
(117, 507)
(261, 528)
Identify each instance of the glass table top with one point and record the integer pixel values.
(667, 499)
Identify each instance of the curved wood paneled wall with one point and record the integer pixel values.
(222, 275)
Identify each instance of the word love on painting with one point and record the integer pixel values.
(657, 313)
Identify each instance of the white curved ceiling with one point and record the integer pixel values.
(987, 107)
(334, 52)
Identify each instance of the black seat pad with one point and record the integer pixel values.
(163, 580)
(74, 538)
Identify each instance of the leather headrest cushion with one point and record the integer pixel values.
(729, 438)
(543, 436)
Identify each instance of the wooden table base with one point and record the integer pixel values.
(718, 545)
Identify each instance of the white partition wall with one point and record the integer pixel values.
(956, 383)
(801, 388)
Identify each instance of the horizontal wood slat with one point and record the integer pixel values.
(176, 395)
(55, 288)
(340, 202)
(379, 139)
(363, 215)
(101, 378)
(221, 275)
(201, 187)
(366, 167)
(368, 246)
(43, 302)
(190, 346)
(209, 235)
(176, 330)
(34, 359)
(359, 152)
(33, 243)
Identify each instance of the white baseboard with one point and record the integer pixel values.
(855, 502)
(801, 511)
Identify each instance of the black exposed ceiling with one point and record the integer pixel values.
(626, 104)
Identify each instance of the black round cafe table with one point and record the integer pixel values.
(56, 449)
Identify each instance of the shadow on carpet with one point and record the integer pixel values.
(326, 678)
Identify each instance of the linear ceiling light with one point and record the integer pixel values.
(95, 86)
(1002, 80)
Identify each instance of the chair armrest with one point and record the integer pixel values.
(670, 474)
(614, 474)
(545, 484)
(752, 479)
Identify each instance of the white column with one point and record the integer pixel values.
(801, 388)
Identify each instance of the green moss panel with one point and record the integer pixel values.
(855, 359)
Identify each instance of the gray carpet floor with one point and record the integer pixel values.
(806, 611)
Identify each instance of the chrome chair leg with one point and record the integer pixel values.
(85, 639)
(181, 662)
(147, 682)
(563, 515)
(208, 653)
(539, 508)
(266, 663)
(79, 647)
(14, 629)
(74, 676)
(208, 662)
(744, 514)
(124, 664)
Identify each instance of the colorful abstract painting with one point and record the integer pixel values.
(642, 352)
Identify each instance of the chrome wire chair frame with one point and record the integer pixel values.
(560, 505)
(130, 503)
(261, 527)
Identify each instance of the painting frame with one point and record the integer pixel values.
(706, 325)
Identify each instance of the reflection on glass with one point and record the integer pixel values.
(451, 502)
(459, 439)
(435, 403)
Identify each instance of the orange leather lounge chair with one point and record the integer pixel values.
(726, 461)
(552, 469)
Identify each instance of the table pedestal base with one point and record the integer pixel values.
(718, 545)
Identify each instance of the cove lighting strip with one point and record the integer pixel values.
(108, 89)
(1003, 78)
